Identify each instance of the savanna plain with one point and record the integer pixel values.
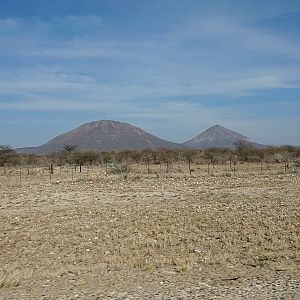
(134, 235)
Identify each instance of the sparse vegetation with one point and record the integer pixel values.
(215, 159)
(125, 217)
(260, 262)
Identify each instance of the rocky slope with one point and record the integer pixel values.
(216, 136)
(104, 135)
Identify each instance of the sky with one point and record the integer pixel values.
(171, 67)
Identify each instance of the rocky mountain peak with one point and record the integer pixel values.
(216, 136)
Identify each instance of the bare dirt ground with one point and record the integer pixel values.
(157, 236)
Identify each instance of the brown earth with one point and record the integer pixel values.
(158, 236)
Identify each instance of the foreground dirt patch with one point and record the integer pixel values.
(211, 237)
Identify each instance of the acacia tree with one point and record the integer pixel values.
(8, 155)
(123, 157)
(288, 154)
(147, 157)
(69, 148)
(166, 156)
(189, 156)
(30, 160)
(61, 157)
(136, 156)
(214, 155)
(256, 155)
(242, 149)
(83, 157)
(106, 158)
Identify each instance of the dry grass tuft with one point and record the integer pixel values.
(11, 278)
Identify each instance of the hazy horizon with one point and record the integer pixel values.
(173, 68)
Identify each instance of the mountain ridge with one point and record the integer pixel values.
(110, 135)
(104, 135)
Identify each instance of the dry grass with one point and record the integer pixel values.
(105, 233)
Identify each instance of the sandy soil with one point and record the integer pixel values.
(222, 236)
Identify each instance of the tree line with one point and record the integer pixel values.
(70, 154)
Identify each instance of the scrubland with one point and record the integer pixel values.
(102, 234)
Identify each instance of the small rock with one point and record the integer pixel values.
(197, 250)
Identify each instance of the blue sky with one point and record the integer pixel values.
(171, 67)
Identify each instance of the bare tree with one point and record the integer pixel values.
(242, 149)
(70, 147)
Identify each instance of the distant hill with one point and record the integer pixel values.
(219, 137)
(104, 135)
(107, 135)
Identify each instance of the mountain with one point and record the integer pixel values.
(107, 135)
(219, 137)
(104, 135)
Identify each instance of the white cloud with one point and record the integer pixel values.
(83, 21)
(9, 24)
(228, 33)
(170, 55)
(75, 49)
(57, 83)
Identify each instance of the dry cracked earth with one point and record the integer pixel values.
(152, 237)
